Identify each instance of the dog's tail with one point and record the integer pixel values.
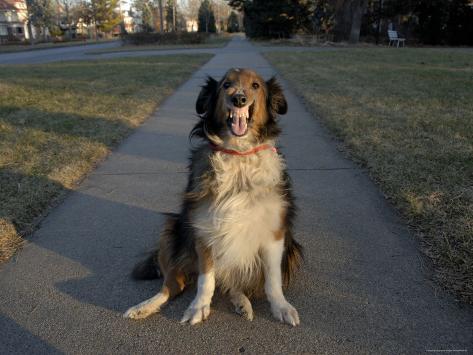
(148, 269)
(292, 259)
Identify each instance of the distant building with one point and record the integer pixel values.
(192, 25)
(128, 21)
(13, 20)
(124, 9)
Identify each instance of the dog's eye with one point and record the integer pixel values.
(255, 86)
(226, 85)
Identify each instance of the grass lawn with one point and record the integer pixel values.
(407, 115)
(285, 43)
(303, 41)
(10, 48)
(58, 120)
(212, 42)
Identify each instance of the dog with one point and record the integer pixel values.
(234, 229)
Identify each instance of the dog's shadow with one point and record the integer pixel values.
(93, 290)
(98, 261)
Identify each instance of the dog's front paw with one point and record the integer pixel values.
(196, 314)
(138, 312)
(285, 312)
(142, 310)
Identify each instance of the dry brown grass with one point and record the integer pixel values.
(407, 115)
(10, 241)
(58, 120)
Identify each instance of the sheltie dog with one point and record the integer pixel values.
(234, 229)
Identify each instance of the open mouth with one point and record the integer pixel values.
(239, 118)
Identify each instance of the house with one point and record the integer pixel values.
(128, 21)
(192, 25)
(13, 20)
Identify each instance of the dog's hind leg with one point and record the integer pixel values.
(242, 304)
(174, 283)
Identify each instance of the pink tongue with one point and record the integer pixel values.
(239, 125)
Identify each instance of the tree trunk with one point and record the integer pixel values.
(68, 21)
(30, 33)
(358, 8)
(343, 17)
(30, 30)
(174, 15)
(161, 19)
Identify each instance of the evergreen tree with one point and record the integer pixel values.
(232, 24)
(170, 15)
(104, 15)
(272, 19)
(206, 20)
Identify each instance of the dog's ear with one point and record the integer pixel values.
(206, 96)
(276, 100)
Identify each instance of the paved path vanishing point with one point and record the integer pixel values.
(362, 290)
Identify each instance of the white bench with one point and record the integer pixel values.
(394, 39)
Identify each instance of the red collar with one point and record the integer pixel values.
(247, 152)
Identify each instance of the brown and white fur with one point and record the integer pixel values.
(234, 228)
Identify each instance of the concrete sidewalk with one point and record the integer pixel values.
(362, 290)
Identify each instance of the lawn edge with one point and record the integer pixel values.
(430, 268)
(165, 48)
(35, 224)
(61, 45)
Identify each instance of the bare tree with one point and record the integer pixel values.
(66, 8)
(41, 14)
(191, 9)
(222, 11)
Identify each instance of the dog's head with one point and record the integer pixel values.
(241, 106)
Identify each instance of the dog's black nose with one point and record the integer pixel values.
(239, 100)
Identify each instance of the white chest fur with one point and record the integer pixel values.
(245, 213)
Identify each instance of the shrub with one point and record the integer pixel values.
(141, 38)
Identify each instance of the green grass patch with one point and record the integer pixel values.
(58, 120)
(407, 115)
